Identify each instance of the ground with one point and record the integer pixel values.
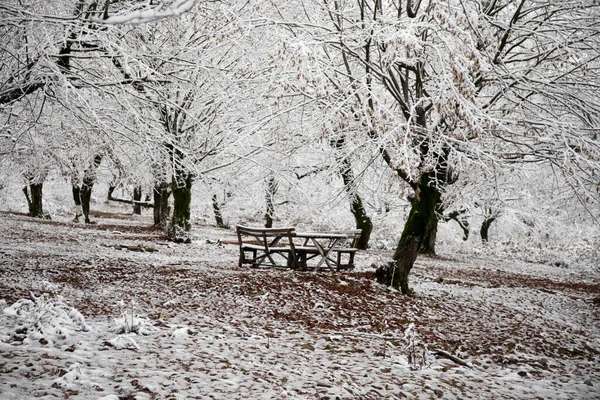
(114, 311)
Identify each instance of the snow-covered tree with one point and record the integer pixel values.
(440, 87)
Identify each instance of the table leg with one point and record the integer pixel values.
(325, 253)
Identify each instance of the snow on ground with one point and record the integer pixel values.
(112, 311)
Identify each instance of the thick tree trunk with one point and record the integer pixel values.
(485, 227)
(137, 197)
(217, 211)
(182, 198)
(428, 246)
(33, 193)
(77, 199)
(420, 221)
(161, 194)
(85, 192)
(36, 209)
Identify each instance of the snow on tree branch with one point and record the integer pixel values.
(177, 8)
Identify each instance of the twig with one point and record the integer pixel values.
(449, 356)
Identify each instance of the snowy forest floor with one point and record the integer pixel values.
(113, 311)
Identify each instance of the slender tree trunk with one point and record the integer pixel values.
(361, 218)
(217, 211)
(137, 196)
(363, 221)
(420, 220)
(157, 202)
(270, 195)
(182, 198)
(464, 225)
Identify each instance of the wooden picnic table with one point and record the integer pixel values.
(268, 246)
(320, 245)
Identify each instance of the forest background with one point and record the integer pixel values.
(390, 116)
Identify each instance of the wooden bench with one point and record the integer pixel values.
(266, 246)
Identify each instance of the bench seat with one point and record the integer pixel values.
(271, 249)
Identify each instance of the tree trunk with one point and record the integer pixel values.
(34, 201)
(182, 198)
(161, 194)
(428, 246)
(157, 202)
(137, 197)
(270, 194)
(362, 220)
(485, 227)
(77, 199)
(29, 204)
(217, 211)
(111, 190)
(464, 224)
(420, 220)
(85, 192)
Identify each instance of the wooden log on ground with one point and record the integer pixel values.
(141, 203)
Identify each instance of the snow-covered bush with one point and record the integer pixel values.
(45, 318)
(417, 353)
(129, 322)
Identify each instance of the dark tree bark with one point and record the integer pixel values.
(428, 246)
(361, 218)
(26, 193)
(111, 190)
(270, 195)
(161, 194)
(217, 211)
(33, 193)
(485, 227)
(137, 197)
(85, 191)
(77, 199)
(182, 198)
(462, 222)
(421, 219)
(85, 195)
